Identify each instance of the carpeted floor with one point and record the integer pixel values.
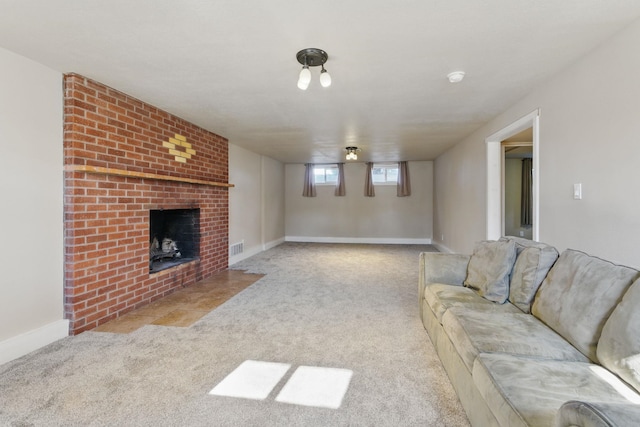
(348, 307)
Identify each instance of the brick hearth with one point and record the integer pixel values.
(124, 158)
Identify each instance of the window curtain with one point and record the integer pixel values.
(309, 189)
(526, 196)
(369, 191)
(404, 183)
(340, 186)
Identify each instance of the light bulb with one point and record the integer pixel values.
(305, 78)
(302, 85)
(325, 78)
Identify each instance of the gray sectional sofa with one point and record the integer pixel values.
(529, 337)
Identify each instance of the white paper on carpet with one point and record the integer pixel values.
(251, 380)
(316, 386)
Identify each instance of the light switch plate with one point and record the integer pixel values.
(577, 191)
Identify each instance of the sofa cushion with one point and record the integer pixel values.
(473, 332)
(534, 259)
(441, 297)
(489, 269)
(578, 295)
(619, 345)
(523, 391)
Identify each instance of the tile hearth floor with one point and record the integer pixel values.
(185, 306)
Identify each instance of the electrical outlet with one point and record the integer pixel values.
(521, 233)
(442, 237)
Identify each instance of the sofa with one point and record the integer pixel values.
(531, 337)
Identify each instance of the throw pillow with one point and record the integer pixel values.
(489, 268)
(533, 261)
(619, 344)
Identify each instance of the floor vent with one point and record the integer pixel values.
(236, 248)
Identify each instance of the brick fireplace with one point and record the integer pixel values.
(124, 160)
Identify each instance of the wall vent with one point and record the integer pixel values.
(236, 248)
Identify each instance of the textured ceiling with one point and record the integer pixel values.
(230, 66)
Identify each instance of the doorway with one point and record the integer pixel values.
(496, 171)
(517, 205)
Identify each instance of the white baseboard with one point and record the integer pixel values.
(27, 342)
(249, 252)
(442, 248)
(273, 243)
(361, 240)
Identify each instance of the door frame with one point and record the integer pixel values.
(495, 182)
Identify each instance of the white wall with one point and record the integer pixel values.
(273, 217)
(256, 203)
(384, 218)
(589, 134)
(31, 187)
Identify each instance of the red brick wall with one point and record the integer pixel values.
(107, 216)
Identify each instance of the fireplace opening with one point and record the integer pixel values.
(174, 237)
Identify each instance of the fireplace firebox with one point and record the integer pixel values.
(174, 238)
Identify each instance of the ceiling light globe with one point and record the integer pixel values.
(305, 76)
(303, 85)
(325, 78)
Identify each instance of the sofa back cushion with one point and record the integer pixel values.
(531, 267)
(578, 295)
(489, 268)
(619, 345)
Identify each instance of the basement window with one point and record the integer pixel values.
(385, 173)
(326, 174)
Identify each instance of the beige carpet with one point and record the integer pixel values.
(349, 308)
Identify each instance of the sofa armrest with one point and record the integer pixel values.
(450, 269)
(575, 413)
(436, 267)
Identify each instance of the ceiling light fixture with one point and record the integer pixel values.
(455, 76)
(352, 153)
(312, 57)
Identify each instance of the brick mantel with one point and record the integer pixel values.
(124, 158)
